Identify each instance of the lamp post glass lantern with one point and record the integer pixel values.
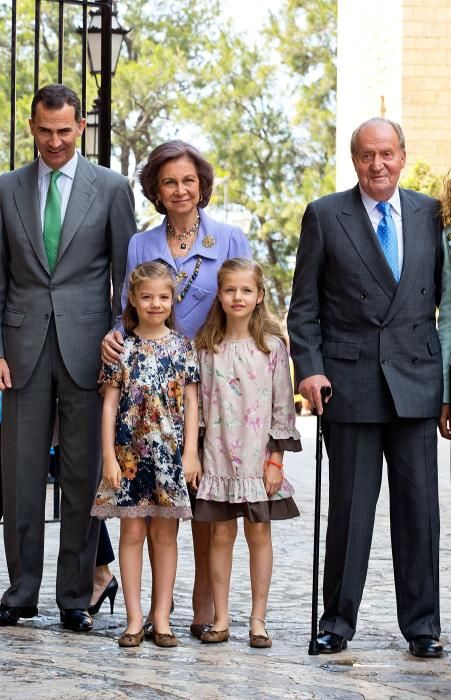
(98, 123)
(92, 131)
(94, 42)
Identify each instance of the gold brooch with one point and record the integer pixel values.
(208, 241)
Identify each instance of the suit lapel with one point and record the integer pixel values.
(359, 229)
(81, 198)
(26, 197)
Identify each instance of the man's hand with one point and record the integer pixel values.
(444, 422)
(5, 376)
(310, 388)
(112, 347)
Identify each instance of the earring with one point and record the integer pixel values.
(158, 201)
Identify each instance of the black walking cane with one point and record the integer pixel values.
(313, 646)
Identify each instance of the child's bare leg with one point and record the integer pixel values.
(163, 534)
(149, 549)
(223, 535)
(133, 532)
(258, 536)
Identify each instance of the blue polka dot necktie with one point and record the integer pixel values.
(386, 232)
(52, 220)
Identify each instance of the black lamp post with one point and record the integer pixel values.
(104, 38)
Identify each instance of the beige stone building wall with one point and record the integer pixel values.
(394, 58)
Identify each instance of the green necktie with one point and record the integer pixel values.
(52, 220)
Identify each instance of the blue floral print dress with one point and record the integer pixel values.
(152, 375)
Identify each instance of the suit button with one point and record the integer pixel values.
(423, 291)
(415, 360)
(363, 295)
(383, 361)
(414, 327)
(46, 316)
(52, 288)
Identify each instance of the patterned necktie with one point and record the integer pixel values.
(386, 232)
(52, 220)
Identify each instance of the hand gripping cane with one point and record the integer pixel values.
(313, 646)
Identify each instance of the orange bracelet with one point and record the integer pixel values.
(276, 464)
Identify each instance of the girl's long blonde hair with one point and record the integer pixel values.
(445, 200)
(142, 273)
(262, 322)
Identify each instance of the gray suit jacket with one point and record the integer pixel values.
(375, 340)
(98, 224)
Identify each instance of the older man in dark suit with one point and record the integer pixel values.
(65, 225)
(362, 320)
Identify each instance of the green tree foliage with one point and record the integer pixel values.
(421, 178)
(264, 114)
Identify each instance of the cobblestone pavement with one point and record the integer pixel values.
(40, 660)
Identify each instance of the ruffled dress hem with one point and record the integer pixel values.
(262, 512)
(109, 511)
(239, 490)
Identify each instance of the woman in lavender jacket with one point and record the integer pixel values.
(179, 182)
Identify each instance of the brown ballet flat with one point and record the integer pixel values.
(215, 636)
(164, 640)
(259, 641)
(131, 640)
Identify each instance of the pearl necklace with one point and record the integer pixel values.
(182, 237)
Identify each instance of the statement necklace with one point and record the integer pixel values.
(181, 295)
(182, 237)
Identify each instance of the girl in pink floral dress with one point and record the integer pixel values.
(249, 416)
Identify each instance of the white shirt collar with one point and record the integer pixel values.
(370, 203)
(68, 168)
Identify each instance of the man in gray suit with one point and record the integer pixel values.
(362, 320)
(64, 230)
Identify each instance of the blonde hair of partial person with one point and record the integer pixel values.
(445, 200)
(262, 322)
(143, 273)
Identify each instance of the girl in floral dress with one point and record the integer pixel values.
(249, 416)
(149, 434)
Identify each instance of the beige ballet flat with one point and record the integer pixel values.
(131, 640)
(215, 636)
(259, 641)
(165, 639)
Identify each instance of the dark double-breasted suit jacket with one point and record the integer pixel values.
(377, 343)
(374, 339)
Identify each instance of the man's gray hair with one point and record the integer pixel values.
(377, 120)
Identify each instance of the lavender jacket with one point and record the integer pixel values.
(229, 242)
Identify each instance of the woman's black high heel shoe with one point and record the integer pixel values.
(109, 592)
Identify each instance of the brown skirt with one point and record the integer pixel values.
(260, 512)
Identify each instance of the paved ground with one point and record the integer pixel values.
(40, 660)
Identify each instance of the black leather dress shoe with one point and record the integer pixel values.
(9, 615)
(330, 643)
(427, 647)
(76, 619)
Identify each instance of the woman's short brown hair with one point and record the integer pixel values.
(173, 150)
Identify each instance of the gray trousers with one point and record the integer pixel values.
(27, 427)
(356, 453)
